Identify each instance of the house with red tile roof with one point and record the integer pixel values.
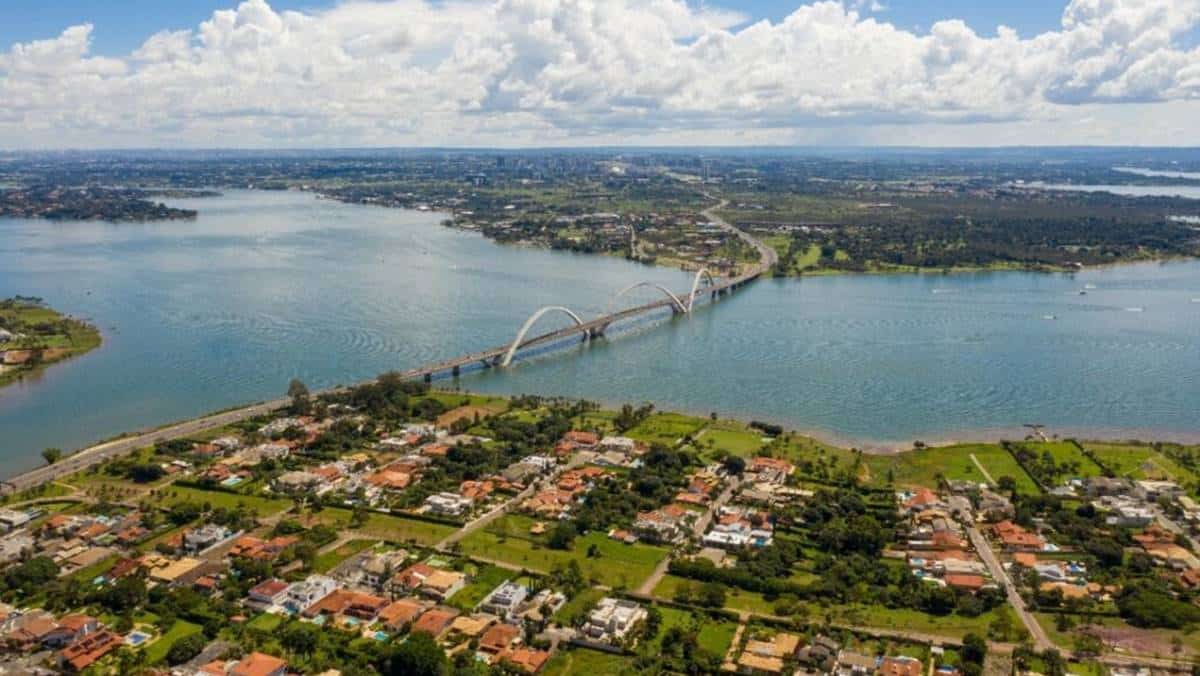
(527, 660)
(499, 637)
(435, 621)
(259, 664)
(88, 650)
(401, 612)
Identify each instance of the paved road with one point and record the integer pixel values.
(1040, 639)
(767, 255)
(111, 449)
(480, 522)
(698, 529)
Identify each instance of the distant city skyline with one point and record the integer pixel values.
(508, 73)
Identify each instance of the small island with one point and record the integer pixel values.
(33, 336)
(90, 203)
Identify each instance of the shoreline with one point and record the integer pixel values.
(129, 442)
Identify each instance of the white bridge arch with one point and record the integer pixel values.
(516, 344)
(677, 304)
(702, 273)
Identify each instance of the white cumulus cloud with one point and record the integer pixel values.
(412, 72)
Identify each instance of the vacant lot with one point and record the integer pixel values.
(157, 651)
(731, 437)
(262, 506)
(584, 662)
(1138, 462)
(924, 467)
(666, 428)
(615, 565)
(389, 527)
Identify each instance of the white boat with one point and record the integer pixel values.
(1089, 286)
(1049, 317)
(1135, 309)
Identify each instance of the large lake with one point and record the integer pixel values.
(264, 287)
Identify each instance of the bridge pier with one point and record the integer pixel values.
(428, 377)
(455, 371)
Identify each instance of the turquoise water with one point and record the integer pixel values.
(264, 287)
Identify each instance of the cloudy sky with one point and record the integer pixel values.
(295, 73)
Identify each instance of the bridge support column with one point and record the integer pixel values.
(429, 377)
(455, 371)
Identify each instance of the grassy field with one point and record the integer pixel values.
(157, 651)
(618, 565)
(262, 506)
(666, 428)
(923, 467)
(712, 635)
(574, 609)
(389, 527)
(1066, 452)
(597, 420)
(483, 581)
(1138, 462)
(1126, 638)
(735, 599)
(41, 328)
(732, 437)
(903, 619)
(584, 662)
(323, 563)
(265, 622)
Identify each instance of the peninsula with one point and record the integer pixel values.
(33, 336)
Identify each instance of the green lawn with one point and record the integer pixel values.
(89, 573)
(618, 565)
(265, 622)
(485, 579)
(923, 467)
(455, 399)
(666, 428)
(157, 651)
(731, 437)
(584, 662)
(389, 527)
(712, 635)
(574, 610)
(735, 599)
(597, 420)
(955, 626)
(1066, 452)
(1138, 462)
(323, 563)
(262, 506)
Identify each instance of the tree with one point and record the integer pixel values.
(734, 465)
(712, 594)
(299, 638)
(562, 535)
(1007, 484)
(52, 455)
(420, 655)
(298, 391)
(186, 648)
(974, 648)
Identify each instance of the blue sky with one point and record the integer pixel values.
(597, 72)
(122, 25)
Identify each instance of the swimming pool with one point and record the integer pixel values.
(137, 638)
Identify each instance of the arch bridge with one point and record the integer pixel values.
(504, 355)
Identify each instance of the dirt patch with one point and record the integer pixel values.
(468, 412)
(1136, 641)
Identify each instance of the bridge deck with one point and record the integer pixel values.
(490, 356)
